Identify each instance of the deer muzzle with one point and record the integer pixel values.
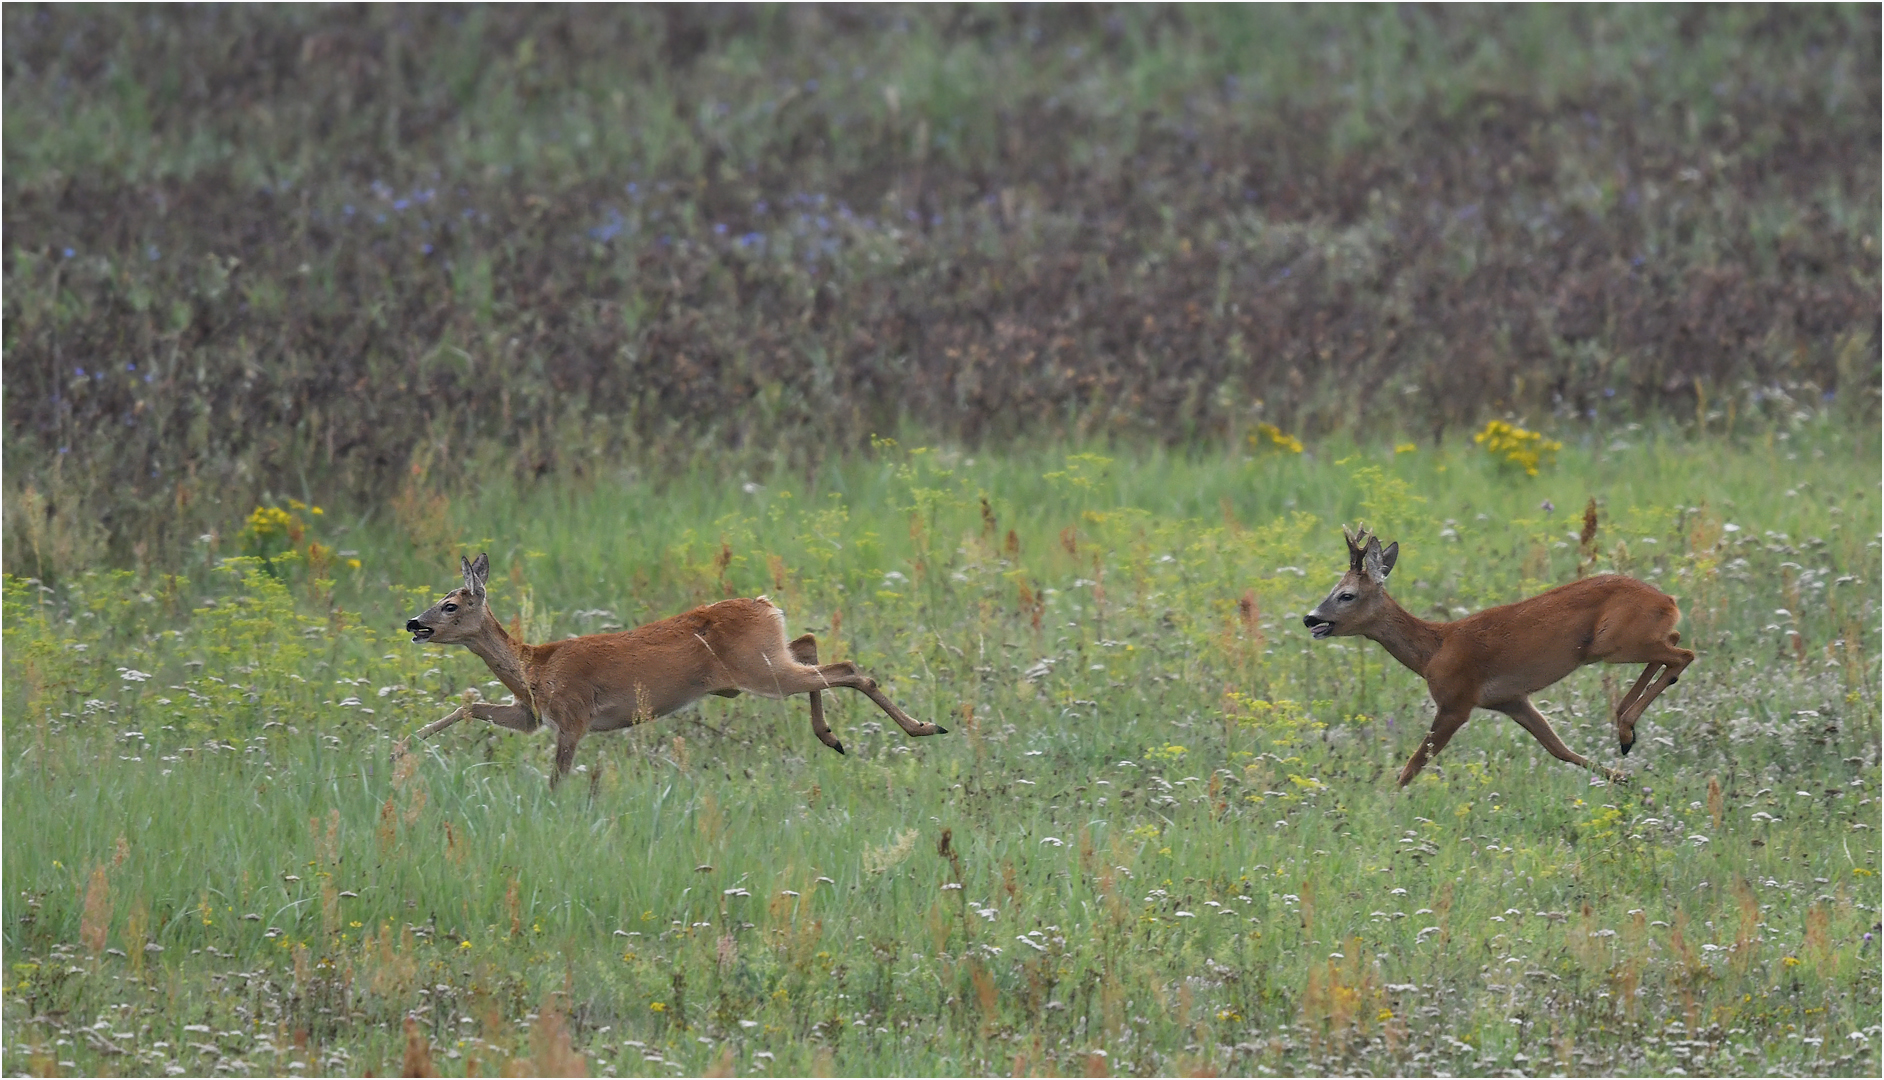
(1318, 627)
(418, 630)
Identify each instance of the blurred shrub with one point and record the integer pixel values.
(260, 251)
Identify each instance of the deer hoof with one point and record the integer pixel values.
(940, 730)
(837, 746)
(1626, 747)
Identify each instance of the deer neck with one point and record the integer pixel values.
(507, 659)
(1407, 637)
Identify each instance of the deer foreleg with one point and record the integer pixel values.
(444, 722)
(514, 717)
(1445, 725)
(1531, 720)
(805, 651)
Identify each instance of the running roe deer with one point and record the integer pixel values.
(1499, 657)
(602, 682)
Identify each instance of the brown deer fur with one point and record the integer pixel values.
(1499, 657)
(602, 682)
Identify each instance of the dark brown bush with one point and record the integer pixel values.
(848, 220)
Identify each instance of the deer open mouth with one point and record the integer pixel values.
(418, 630)
(1318, 628)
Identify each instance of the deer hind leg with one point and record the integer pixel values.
(1445, 725)
(805, 651)
(1649, 687)
(846, 674)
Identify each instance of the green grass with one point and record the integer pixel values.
(1187, 814)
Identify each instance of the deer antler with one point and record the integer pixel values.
(1357, 546)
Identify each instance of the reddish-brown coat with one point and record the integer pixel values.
(1497, 658)
(603, 682)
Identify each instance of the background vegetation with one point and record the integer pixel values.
(277, 251)
(1031, 357)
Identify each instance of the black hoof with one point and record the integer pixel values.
(1673, 679)
(940, 730)
(838, 746)
(1626, 747)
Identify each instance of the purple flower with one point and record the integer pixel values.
(1547, 506)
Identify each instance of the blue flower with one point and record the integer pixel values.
(152, 253)
(69, 253)
(719, 228)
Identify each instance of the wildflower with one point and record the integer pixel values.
(1276, 437)
(1516, 446)
(657, 1006)
(1405, 448)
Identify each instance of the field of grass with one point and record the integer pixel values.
(1161, 837)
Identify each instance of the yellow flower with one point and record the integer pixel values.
(1516, 446)
(1276, 437)
(316, 511)
(657, 1006)
(1791, 961)
(353, 564)
(464, 944)
(1405, 448)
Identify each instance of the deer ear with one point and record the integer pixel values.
(476, 573)
(1379, 563)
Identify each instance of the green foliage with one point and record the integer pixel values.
(1163, 824)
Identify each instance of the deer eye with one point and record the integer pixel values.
(451, 607)
(1344, 597)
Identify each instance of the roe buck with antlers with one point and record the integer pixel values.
(606, 681)
(1499, 657)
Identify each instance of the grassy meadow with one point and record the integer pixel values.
(301, 303)
(1162, 835)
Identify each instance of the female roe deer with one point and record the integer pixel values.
(1499, 657)
(606, 681)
